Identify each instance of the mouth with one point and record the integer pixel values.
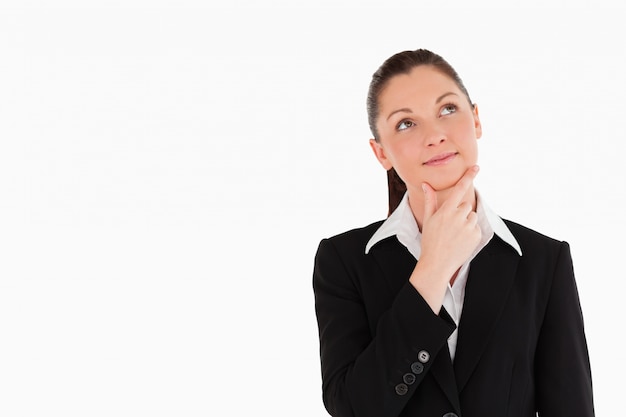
(441, 159)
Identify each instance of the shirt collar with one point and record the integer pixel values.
(402, 222)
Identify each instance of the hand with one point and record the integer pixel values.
(450, 233)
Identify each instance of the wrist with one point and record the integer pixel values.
(431, 283)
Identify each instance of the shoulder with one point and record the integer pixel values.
(536, 245)
(353, 238)
(349, 244)
(344, 252)
(527, 235)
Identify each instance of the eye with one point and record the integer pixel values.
(404, 124)
(448, 109)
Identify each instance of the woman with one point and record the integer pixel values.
(444, 308)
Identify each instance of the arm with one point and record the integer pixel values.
(562, 368)
(364, 371)
(361, 370)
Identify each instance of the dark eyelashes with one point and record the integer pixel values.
(408, 122)
(452, 108)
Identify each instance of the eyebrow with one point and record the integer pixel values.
(444, 96)
(407, 110)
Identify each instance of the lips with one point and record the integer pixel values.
(441, 159)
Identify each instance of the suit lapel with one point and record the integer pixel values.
(490, 279)
(395, 261)
(398, 264)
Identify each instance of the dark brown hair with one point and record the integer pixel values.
(403, 63)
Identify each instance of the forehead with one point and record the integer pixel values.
(423, 85)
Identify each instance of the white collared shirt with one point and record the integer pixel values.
(402, 223)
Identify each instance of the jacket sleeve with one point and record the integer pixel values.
(366, 374)
(562, 368)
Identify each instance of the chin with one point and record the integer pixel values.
(442, 184)
(446, 180)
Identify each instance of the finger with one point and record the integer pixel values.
(462, 185)
(430, 201)
(472, 219)
(465, 208)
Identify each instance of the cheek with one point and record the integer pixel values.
(468, 139)
(472, 154)
(409, 148)
(405, 157)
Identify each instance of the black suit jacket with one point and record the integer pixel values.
(521, 345)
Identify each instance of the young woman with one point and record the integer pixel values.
(444, 308)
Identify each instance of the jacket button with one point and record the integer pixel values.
(401, 389)
(417, 368)
(408, 379)
(450, 415)
(423, 356)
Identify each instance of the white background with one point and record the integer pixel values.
(167, 170)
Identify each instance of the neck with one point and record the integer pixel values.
(416, 201)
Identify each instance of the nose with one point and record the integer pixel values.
(434, 141)
(434, 136)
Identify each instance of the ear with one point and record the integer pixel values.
(478, 128)
(379, 151)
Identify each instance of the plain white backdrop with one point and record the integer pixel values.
(167, 170)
